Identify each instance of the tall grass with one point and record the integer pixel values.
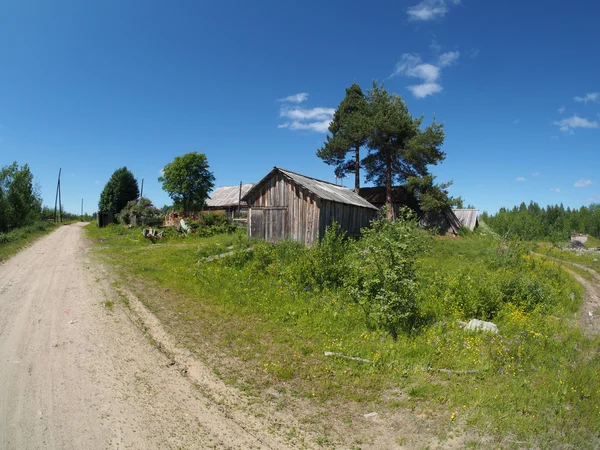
(13, 241)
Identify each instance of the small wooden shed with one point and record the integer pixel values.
(229, 199)
(288, 205)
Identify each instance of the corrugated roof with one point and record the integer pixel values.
(228, 195)
(323, 189)
(467, 217)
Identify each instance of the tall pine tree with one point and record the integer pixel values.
(349, 131)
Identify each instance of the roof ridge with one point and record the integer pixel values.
(311, 178)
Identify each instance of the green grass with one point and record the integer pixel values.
(536, 382)
(586, 259)
(592, 242)
(15, 240)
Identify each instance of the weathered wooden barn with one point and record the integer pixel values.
(229, 199)
(286, 205)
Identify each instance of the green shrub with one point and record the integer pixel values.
(142, 212)
(382, 278)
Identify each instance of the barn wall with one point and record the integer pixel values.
(350, 218)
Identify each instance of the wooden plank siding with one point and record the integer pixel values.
(280, 208)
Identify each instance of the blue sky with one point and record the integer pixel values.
(93, 86)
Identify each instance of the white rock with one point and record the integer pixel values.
(480, 325)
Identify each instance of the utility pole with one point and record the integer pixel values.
(82, 210)
(57, 195)
(239, 200)
(141, 192)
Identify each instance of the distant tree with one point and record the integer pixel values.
(121, 188)
(188, 181)
(399, 150)
(20, 201)
(553, 223)
(349, 132)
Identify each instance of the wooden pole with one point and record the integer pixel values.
(57, 190)
(142, 190)
(82, 210)
(240, 199)
(60, 210)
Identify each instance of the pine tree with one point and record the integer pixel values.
(349, 129)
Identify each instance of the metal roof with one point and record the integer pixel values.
(322, 189)
(228, 195)
(467, 217)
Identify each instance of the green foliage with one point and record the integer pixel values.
(536, 381)
(20, 200)
(552, 223)
(349, 131)
(120, 189)
(382, 278)
(14, 240)
(188, 181)
(499, 275)
(143, 210)
(211, 224)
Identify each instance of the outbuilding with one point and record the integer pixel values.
(229, 199)
(288, 205)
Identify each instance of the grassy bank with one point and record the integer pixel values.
(264, 320)
(15, 240)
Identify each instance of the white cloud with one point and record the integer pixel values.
(567, 125)
(318, 113)
(582, 183)
(296, 98)
(516, 121)
(554, 189)
(521, 179)
(412, 65)
(425, 89)
(319, 126)
(430, 9)
(589, 97)
(536, 174)
(561, 110)
(312, 119)
(448, 58)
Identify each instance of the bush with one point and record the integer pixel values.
(382, 278)
(142, 212)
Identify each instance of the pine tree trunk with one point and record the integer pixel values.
(388, 187)
(357, 170)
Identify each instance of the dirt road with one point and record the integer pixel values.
(75, 374)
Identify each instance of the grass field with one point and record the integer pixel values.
(260, 326)
(15, 240)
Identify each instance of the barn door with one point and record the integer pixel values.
(275, 224)
(269, 224)
(257, 223)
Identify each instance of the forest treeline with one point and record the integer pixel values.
(553, 223)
